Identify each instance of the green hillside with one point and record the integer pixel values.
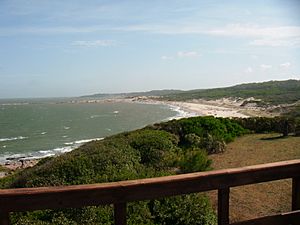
(161, 149)
(134, 94)
(272, 92)
(168, 148)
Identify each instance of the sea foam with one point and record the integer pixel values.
(46, 153)
(180, 113)
(12, 138)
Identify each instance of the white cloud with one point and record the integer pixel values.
(276, 42)
(265, 67)
(48, 30)
(164, 57)
(190, 54)
(95, 43)
(260, 35)
(254, 57)
(249, 70)
(181, 54)
(247, 30)
(285, 65)
(264, 36)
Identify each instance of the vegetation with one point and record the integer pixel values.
(162, 149)
(2, 169)
(284, 125)
(271, 92)
(177, 146)
(207, 132)
(270, 198)
(134, 94)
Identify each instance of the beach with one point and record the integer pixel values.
(226, 108)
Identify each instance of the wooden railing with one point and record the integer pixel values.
(119, 193)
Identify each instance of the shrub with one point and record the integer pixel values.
(148, 152)
(222, 129)
(194, 160)
(265, 125)
(156, 148)
(191, 209)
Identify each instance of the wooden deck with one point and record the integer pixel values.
(119, 193)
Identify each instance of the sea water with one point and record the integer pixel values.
(31, 128)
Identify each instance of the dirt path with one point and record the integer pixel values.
(258, 200)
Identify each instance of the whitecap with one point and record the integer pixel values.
(69, 143)
(45, 153)
(66, 128)
(180, 113)
(63, 149)
(43, 133)
(12, 138)
(87, 140)
(94, 116)
(116, 112)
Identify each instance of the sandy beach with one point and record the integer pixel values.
(218, 108)
(200, 109)
(225, 107)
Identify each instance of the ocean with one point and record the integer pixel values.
(36, 128)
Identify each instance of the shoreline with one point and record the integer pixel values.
(218, 108)
(225, 108)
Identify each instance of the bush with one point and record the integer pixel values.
(156, 148)
(265, 125)
(191, 209)
(148, 152)
(221, 128)
(194, 160)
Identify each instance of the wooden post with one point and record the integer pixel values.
(4, 218)
(120, 213)
(296, 194)
(223, 206)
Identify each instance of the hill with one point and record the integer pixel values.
(134, 94)
(161, 149)
(271, 92)
(176, 146)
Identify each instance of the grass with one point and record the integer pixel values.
(251, 201)
(3, 169)
(271, 92)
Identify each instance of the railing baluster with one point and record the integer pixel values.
(223, 206)
(120, 213)
(4, 218)
(30, 199)
(296, 193)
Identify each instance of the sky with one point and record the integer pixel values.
(55, 48)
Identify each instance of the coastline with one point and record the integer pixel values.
(226, 108)
(218, 108)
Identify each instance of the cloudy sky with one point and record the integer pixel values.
(69, 48)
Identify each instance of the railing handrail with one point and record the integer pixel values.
(26, 199)
(119, 193)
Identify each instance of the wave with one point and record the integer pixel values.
(12, 138)
(82, 141)
(46, 153)
(94, 116)
(8, 104)
(180, 113)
